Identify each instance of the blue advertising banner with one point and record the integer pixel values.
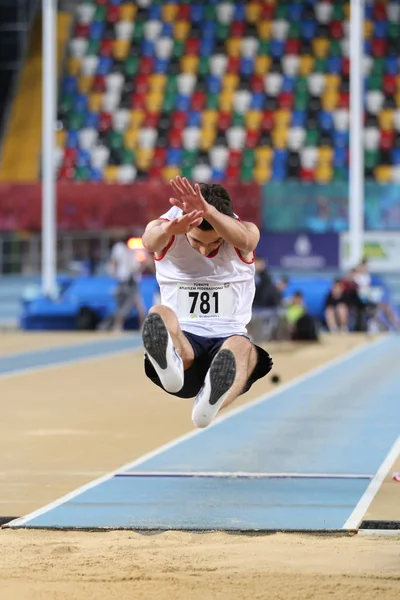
(300, 251)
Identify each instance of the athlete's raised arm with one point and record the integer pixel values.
(242, 235)
(158, 233)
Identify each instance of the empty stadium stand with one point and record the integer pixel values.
(225, 91)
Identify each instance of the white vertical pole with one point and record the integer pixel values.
(49, 227)
(356, 187)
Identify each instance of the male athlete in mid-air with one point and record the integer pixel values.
(195, 341)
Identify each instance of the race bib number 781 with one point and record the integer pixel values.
(203, 301)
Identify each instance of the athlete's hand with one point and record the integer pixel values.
(183, 224)
(187, 197)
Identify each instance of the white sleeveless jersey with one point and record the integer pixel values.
(212, 296)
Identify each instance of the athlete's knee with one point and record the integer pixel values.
(238, 343)
(161, 310)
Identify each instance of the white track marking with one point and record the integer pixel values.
(129, 466)
(67, 362)
(379, 532)
(363, 504)
(243, 475)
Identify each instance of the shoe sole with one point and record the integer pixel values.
(155, 339)
(222, 374)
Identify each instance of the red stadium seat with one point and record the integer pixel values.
(344, 100)
(179, 119)
(105, 121)
(233, 65)
(224, 120)
(286, 100)
(237, 29)
(192, 46)
(146, 65)
(306, 175)
(336, 30)
(159, 157)
(257, 83)
(81, 30)
(252, 138)
(69, 157)
(198, 101)
(175, 138)
(387, 140)
(379, 48)
(99, 83)
(389, 84)
(267, 122)
(113, 14)
(293, 47)
(106, 47)
(138, 100)
(151, 119)
(235, 158)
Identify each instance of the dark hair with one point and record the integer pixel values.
(218, 197)
(298, 294)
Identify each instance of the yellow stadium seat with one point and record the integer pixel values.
(262, 173)
(329, 100)
(282, 117)
(368, 29)
(181, 30)
(320, 47)
(73, 66)
(325, 155)
(383, 173)
(262, 65)
(264, 155)
(144, 157)
(253, 11)
(85, 83)
(170, 172)
(131, 138)
(306, 64)
(128, 11)
(332, 81)
(189, 64)
(154, 101)
(209, 118)
(61, 136)
(111, 174)
(386, 119)
(95, 100)
(157, 82)
(323, 173)
(121, 49)
(253, 119)
(230, 82)
(347, 10)
(279, 137)
(169, 12)
(264, 29)
(233, 47)
(137, 117)
(226, 101)
(207, 137)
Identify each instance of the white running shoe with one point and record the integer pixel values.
(162, 354)
(217, 384)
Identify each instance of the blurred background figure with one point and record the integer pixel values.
(336, 309)
(269, 317)
(301, 325)
(126, 268)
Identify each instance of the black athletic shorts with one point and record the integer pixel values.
(204, 351)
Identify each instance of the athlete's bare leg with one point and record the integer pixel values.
(225, 379)
(180, 341)
(246, 359)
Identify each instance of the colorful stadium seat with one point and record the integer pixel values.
(254, 90)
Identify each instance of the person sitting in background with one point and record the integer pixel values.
(268, 317)
(372, 298)
(301, 324)
(351, 297)
(336, 310)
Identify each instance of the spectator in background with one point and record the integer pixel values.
(372, 297)
(269, 320)
(126, 269)
(301, 324)
(336, 309)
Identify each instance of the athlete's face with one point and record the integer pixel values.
(205, 242)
